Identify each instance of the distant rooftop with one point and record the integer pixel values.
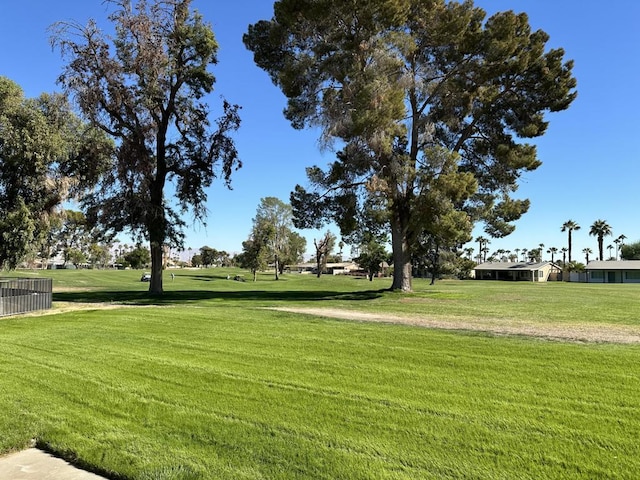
(614, 265)
(508, 266)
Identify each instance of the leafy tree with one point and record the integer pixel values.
(256, 251)
(208, 256)
(17, 229)
(75, 256)
(372, 255)
(196, 260)
(99, 255)
(464, 267)
(294, 250)
(396, 83)
(224, 260)
(334, 258)
(73, 234)
(569, 226)
(600, 229)
(630, 251)
(146, 88)
(46, 155)
(139, 257)
(276, 215)
(441, 239)
(324, 247)
(49, 245)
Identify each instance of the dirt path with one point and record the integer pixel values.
(565, 332)
(574, 332)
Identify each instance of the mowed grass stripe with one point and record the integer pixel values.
(275, 396)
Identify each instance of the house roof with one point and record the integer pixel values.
(328, 265)
(614, 265)
(511, 266)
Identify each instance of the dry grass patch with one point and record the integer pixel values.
(567, 332)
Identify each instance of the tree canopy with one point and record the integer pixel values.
(372, 256)
(429, 102)
(47, 155)
(256, 252)
(600, 229)
(285, 246)
(630, 251)
(146, 88)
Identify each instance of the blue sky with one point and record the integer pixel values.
(590, 153)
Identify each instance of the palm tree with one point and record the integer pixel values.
(564, 251)
(469, 252)
(569, 226)
(587, 252)
(482, 246)
(610, 247)
(541, 245)
(600, 229)
(535, 255)
(524, 254)
(619, 243)
(552, 251)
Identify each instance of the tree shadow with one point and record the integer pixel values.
(176, 297)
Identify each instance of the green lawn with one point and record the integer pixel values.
(205, 384)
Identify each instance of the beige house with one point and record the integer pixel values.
(519, 271)
(342, 268)
(625, 271)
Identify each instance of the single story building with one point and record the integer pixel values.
(625, 271)
(342, 268)
(519, 271)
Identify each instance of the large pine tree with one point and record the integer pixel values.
(404, 86)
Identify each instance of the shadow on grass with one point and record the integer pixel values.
(188, 296)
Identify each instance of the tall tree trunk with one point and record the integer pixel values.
(401, 253)
(601, 247)
(157, 227)
(277, 265)
(155, 285)
(319, 265)
(156, 218)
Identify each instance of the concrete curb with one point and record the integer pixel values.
(34, 464)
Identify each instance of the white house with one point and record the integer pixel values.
(518, 271)
(625, 271)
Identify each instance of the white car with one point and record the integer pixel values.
(146, 277)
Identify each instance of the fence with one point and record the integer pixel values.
(22, 295)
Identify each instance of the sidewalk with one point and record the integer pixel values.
(34, 464)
